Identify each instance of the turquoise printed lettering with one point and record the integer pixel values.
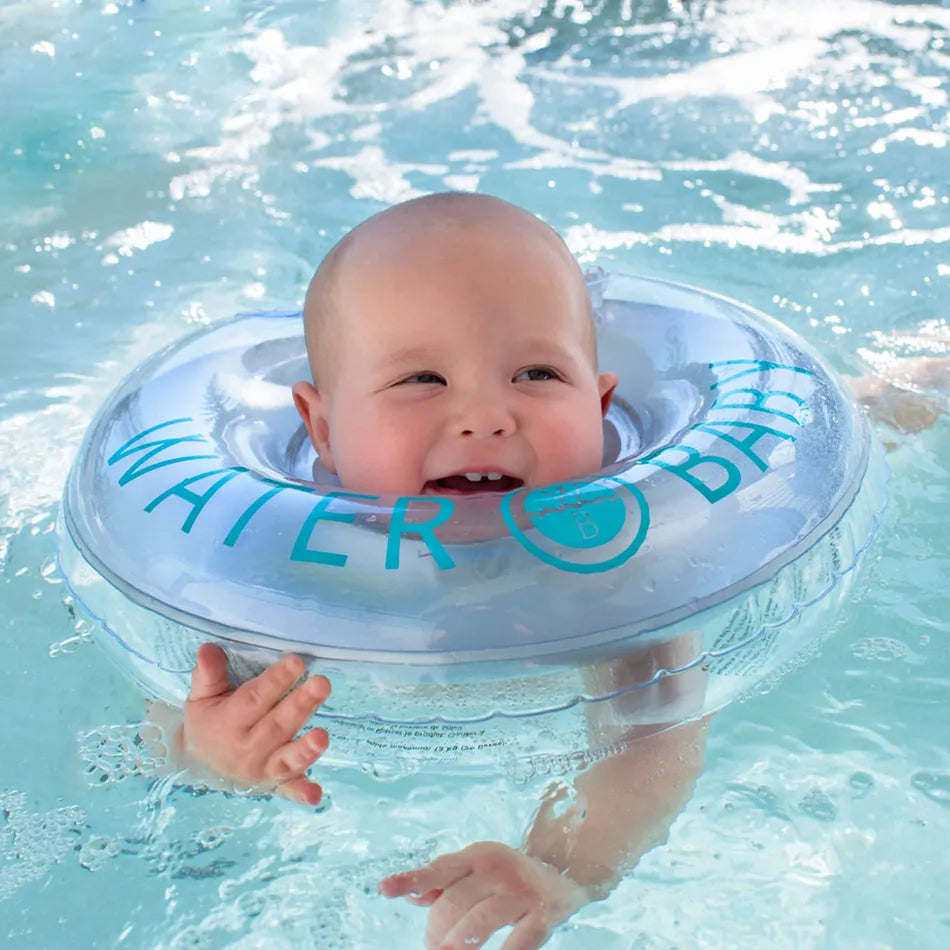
(302, 550)
(398, 527)
(151, 449)
(756, 432)
(582, 515)
(197, 502)
(695, 458)
(759, 400)
(586, 525)
(756, 367)
(231, 538)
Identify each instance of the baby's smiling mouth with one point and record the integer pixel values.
(472, 482)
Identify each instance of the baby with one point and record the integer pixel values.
(452, 348)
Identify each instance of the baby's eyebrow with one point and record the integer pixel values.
(407, 355)
(543, 346)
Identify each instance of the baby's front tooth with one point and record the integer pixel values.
(494, 476)
(473, 476)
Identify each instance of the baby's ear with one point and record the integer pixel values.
(310, 404)
(606, 384)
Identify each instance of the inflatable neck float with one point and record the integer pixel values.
(740, 486)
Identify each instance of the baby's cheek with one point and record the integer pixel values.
(381, 463)
(582, 455)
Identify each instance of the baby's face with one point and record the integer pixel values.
(462, 363)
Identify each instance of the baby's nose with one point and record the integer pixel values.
(483, 418)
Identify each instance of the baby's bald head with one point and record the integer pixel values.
(434, 236)
(448, 336)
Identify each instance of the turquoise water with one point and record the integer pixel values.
(167, 163)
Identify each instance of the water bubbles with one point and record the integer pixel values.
(861, 782)
(44, 298)
(49, 571)
(764, 799)
(325, 803)
(114, 753)
(882, 649)
(816, 804)
(69, 645)
(252, 904)
(98, 850)
(211, 838)
(526, 768)
(193, 938)
(83, 626)
(389, 770)
(32, 842)
(935, 785)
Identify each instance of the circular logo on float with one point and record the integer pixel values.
(587, 526)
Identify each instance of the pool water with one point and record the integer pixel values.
(165, 164)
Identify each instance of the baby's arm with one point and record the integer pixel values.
(902, 409)
(908, 393)
(624, 806)
(576, 851)
(245, 734)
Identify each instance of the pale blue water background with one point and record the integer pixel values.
(166, 163)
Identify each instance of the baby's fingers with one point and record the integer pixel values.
(286, 719)
(255, 698)
(487, 916)
(210, 677)
(397, 885)
(442, 873)
(301, 790)
(425, 900)
(531, 932)
(294, 758)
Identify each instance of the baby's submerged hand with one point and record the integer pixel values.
(247, 733)
(483, 888)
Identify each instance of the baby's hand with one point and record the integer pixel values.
(483, 888)
(247, 733)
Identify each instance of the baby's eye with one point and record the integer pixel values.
(536, 374)
(425, 378)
